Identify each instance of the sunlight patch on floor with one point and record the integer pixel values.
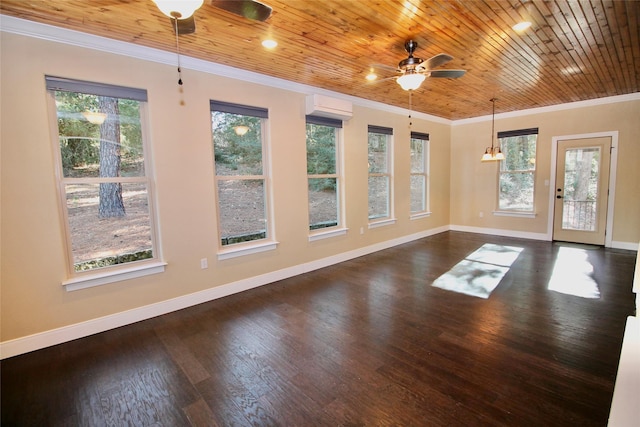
(481, 272)
(573, 274)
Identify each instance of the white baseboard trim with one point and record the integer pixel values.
(501, 232)
(630, 246)
(64, 334)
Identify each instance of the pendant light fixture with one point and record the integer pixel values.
(493, 153)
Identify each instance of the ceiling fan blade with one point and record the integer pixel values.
(436, 61)
(450, 74)
(250, 9)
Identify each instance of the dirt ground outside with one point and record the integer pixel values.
(94, 238)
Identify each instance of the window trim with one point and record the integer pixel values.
(390, 218)
(520, 213)
(426, 160)
(340, 228)
(252, 246)
(76, 280)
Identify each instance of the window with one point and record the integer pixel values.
(323, 172)
(517, 170)
(103, 173)
(240, 176)
(419, 173)
(380, 173)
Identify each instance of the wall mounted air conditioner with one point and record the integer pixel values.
(324, 106)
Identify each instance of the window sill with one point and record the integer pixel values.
(90, 280)
(326, 234)
(382, 223)
(517, 214)
(420, 215)
(243, 250)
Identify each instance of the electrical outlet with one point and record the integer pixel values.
(481, 214)
(203, 263)
(361, 230)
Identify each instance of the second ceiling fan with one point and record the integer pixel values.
(413, 70)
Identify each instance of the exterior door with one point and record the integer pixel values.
(582, 189)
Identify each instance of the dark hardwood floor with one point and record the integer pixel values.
(367, 342)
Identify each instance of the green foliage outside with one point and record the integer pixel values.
(517, 172)
(237, 151)
(80, 139)
(321, 156)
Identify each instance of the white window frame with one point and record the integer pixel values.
(389, 219)
(268, 242)
(76, 280)
(522, 213)
(426, 147)
(339, 229)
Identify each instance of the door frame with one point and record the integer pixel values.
(613, 163)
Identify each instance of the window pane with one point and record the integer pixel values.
(377, 153)
(321, 149)
(519, 152)
(323, 203)
(516, 191)
(417, 155)
(517, 172)
(579, 204)
(417, 193)
(109, 224)
(378, 197)
(242, 210)
(237, 144)
(99, 136)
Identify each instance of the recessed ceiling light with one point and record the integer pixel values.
(521, 26)
(269, 44)
(371, 76)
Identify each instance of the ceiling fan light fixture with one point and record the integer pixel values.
(410, 80)
(178, 9)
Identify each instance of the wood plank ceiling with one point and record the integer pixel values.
(575, 50)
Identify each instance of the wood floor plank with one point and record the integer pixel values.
(366, 342)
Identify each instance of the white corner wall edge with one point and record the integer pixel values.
(624, 410)
(64, 334)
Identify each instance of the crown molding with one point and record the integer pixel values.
(52, 33)
(553, 108)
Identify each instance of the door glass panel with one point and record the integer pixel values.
(579, 207)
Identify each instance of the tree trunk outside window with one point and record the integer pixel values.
(111, 203)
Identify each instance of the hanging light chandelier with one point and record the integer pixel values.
(493, 153)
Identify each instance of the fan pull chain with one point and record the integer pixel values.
(410, 107)
(175, 20)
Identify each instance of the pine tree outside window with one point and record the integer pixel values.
(103, 174)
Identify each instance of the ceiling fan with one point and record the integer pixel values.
(181, 12)
(413, 70)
